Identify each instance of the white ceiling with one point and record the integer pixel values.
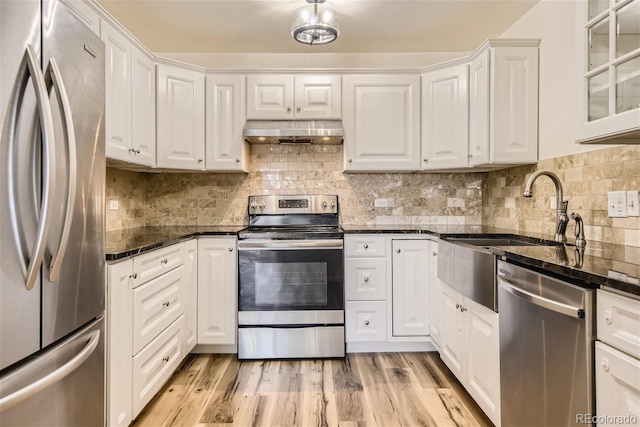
(251, 26)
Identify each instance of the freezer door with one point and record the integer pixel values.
(63, 386)
(73, 274)
(19, 181)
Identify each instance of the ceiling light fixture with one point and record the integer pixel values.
(313, 27)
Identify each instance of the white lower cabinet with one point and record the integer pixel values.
(145, 328)
(470, 347)
(153, 366)
(190, 286)
(217, 290)
(435, 295)
(387, 293)
(617, 359)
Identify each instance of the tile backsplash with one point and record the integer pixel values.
(586, 178)
(221, 199)
(493, 199)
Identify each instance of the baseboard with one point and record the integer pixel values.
(386, 347)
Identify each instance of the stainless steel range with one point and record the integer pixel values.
(291, 279)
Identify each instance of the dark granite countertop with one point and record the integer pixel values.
(122, 244)
(599, 265)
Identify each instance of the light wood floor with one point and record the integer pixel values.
(372, 389)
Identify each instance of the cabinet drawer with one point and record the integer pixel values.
(365, 245)
(156, 304)
(618, 322)
(365, 278)
(617, 383)
(153, 366)
(366, 321)
(151, 265)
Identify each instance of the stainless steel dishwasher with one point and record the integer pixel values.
(546, 348)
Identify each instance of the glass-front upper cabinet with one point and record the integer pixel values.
(608, 71)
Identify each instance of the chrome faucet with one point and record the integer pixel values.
(561, 205)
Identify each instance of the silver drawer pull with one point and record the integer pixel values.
(133, 276)
(164, 261)
(434, 253)
(398, 251)
(366, 322)
(166, 303)
(230, 249)
(366, 280)
(365, 246)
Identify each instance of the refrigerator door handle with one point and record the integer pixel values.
(53, 78)
(30, 67)
(55, 376)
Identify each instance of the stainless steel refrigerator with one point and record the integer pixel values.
(52, 175)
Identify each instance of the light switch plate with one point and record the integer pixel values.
(381, 203)
(632, 203)
(617, 204)
(113, 205)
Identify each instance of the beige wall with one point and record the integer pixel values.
(212, 199)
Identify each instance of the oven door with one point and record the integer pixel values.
(290, 275)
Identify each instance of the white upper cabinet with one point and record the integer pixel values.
(503, 104)
(287, 96)
(117, 93)
(143, 108)
(608, 71)
(180, 119)
(226, 149)
(445, 117)
(381, 118)
(86, 14)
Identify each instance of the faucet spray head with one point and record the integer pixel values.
(527, 193)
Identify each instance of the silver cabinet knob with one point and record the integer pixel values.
(365, 246)
(398, 251)
(350, 160)
(434, 253)
(134, 275)
(298, 109)
(458, 306)
(230, 249)
(237, 160)
(166, 303)
(199, 160)
(463, 309)
(366, 280)
(288, 109)
(366, 322)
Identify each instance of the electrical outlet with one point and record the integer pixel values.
(381, 203)
(617, 205)
(632, 203)
(113, 205)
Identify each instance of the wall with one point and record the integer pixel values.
(211, 198)
(586, 179)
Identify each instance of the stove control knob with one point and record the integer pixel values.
(324, 204)
(254, 205)
(333, 204)
(262, 205)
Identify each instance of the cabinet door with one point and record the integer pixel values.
(217, 290)
(435, 294)
(617, 384)
(190, 286)
(514, 105)
(119, 343)
(479, 109)
(86, 14)
(226, 149)
(453, 347)
(143, 108)
(410, 271)
(445, 118)
(381, 117)
(117, 93)
(270, 96)
(366, 321)
(618, 321)
(318, 97)
(483, 358)
(180, 126)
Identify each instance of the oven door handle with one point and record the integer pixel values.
(289, 245)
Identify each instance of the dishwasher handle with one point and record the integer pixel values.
(549, 304)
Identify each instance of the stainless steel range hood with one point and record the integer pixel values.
(294, 131)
